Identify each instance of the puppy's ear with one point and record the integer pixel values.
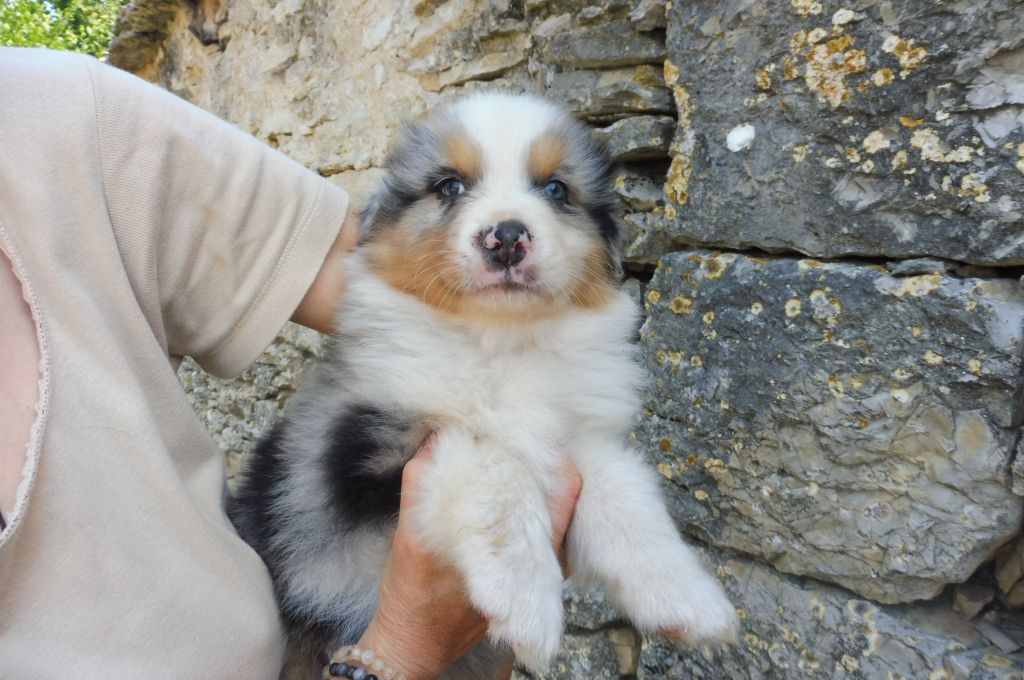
(399, 186)
(612, 236)
(385, 206)
(603, 171)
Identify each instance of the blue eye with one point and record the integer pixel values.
(555, 191)
(451, 187)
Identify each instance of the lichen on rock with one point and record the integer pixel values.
(929, 90)
(854, 448)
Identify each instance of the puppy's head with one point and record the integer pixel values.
(497, 206)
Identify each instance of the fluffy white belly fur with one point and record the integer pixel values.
(542, 381)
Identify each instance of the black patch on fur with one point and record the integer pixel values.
(606, 224)
(250, 506)
(602, 197)
(360, 494)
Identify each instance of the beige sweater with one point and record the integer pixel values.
(143, 230)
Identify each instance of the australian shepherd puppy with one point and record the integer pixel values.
(482, 306)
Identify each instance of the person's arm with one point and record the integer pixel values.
(424, 622)
(221, 237)
(319, 304)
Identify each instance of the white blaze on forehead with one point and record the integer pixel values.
(504, 126)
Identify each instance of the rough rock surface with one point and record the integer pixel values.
(586, 608)
(598, 95)
(886, 128)
(1018, 470)
(1010, 573)
(637, 138)
(798, 628)
(834, 420)
(593, 656)
(609, 45)
(886, 132)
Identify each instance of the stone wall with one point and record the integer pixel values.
(825, 205)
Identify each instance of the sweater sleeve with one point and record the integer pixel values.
(221, 236)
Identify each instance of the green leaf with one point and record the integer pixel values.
(77, 25)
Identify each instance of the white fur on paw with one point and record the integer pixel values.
(524, 608)
(689, 606)
(535, 635)
(714, 622)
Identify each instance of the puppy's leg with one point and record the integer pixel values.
(622, 535)
(483, 510)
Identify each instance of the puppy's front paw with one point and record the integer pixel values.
(688, 605)
(712, 621)
(524, 609)
(534, 631)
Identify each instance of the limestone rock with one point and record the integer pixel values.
(586, 608)
(140, 33)
(648, 15)
(1003, 629)
(586, 656)
(638, 191)
(485, 67)
(608, 45)
(604, 94)
(971, 597)
(646, 236)
(798, 628)
(1018, 470)
(643, 216)
(1010, 573)
(834, 420)
(626, 642)
(637, 138)
(883, 128)
(919, 265)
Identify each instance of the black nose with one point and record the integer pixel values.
(508, 246)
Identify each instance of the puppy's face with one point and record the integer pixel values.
(496, 206)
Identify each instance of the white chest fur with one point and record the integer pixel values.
(553, 375)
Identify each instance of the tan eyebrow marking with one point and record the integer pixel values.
(547, 153)
(463, 155)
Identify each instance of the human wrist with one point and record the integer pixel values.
(360, 662)
(405, 656)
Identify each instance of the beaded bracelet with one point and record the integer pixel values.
(366, 660)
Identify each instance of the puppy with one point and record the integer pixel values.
(482, 306)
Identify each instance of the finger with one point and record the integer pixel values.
(412, 472)
(562, 503)
(426, 450)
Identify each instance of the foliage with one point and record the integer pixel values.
(77, 25)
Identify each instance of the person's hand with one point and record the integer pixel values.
(424, 622)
